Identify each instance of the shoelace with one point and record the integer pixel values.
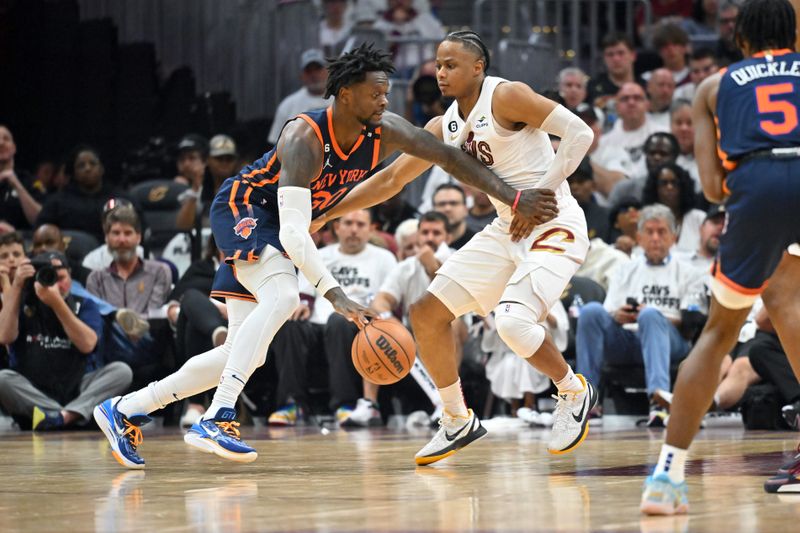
(561, 404)
(229, 428)
(134, 434)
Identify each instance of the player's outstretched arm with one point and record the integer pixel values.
(517, 103)
(382, 185)
(301, 159)
(534, 204)
(712, 174)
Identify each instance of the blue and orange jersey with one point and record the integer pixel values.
(340, 172)
(757, 105)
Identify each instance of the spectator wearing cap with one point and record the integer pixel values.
(51, 333)
(310, 96)
(222, 163)
(48, 238)
(19, 200)
(710, 233)
(101, 257)
(79, 206)
(581, 184)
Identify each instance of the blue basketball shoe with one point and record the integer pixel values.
(663, 497)
(221, 436)
(122, 432)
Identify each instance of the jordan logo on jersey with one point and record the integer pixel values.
(478, 149)
(244, 228)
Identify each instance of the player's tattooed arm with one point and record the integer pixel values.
(537, 205)
(382, 185)
(300, 154)
(712, 174)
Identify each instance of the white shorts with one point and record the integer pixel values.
(533, 272)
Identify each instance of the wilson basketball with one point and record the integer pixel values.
(383, 352)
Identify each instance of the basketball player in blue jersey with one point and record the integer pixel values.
(751, 109)
(260, 219)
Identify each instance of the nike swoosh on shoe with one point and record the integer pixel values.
(455, 435)
(579, 417)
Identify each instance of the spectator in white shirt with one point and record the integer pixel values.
(610, 164)
(402, 20)
(408, 281)
(702, 64)
(639, 320)
(682, 128)
(710, 232)
(632, 127)
(672, 44)
(314, 76)
(660, 88)
(334, 28)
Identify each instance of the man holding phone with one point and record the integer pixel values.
(640, 318)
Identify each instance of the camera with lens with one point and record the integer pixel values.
(46, 272)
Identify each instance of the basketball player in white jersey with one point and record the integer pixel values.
(510, 267)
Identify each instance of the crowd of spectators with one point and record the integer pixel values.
(127, 312)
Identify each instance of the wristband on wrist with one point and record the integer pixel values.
(516, 202)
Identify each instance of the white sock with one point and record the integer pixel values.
(672, 462)
(277, 296)
(141, 402)
(569, 383)
(453, 399)
(198, 374)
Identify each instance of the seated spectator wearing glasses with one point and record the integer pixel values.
(670, 185)
(450, 200)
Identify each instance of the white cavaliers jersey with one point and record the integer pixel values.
(519, 158)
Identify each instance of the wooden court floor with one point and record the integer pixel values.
(366, 480)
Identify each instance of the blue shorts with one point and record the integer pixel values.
(227, 286)
(762, 221)
(242, 228)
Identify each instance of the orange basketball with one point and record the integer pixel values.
(383, 352)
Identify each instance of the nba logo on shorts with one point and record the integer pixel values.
(507, 308)
(244, 228)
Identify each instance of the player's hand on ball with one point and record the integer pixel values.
(348, 308)
(537, 205)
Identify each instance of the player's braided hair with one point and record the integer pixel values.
(473, 41)
(353, 66)
(766, 25)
